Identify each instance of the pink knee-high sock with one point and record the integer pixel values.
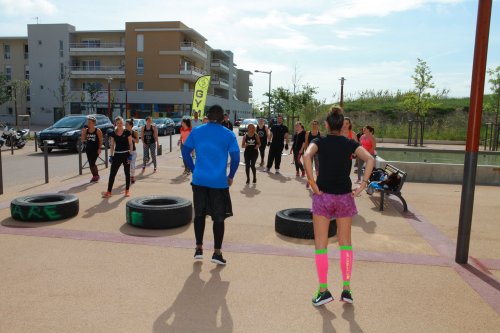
(346, 263)
(322, 267)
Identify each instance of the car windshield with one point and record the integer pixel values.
(250, 121)
(71, 122)
(159, 121)
(176, 120)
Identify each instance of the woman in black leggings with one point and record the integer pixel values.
(263, 133)
(251, 144)
(120, 153)
(299, 138)
(93, 137)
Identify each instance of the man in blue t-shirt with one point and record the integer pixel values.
(213, 143)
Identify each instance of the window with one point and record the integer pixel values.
(92, 43)
(61, 48)
(140, 43)
(26, 72)
(8, 72)
(10, 110)
(61, 71)
(26, 51)
(140, 66)
(28, 96)
(140, 85)
(6, 52)
(40, 64)
(91, 65)
(41, 87)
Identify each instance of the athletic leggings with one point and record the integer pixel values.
(298, 162)
(132, 163)
(274, 156)
(218, 229)
(118, 160)
(262, 150)
(92, 158)
(251, 155)
(147, 148)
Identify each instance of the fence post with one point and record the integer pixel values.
(46, 160)
(36, 142)
(170, 141)
(11, 145)
(79, 147)
(422, 133)
(1, 173)
(486, 137)
(106, 144)
(160, 150)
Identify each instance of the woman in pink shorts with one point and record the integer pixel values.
(334, 198)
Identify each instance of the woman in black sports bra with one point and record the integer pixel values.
(251, 143)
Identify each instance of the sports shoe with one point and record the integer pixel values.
(132, 180)
(218, 259)
(346, 296)
(127, 193)
(303, 174)
(322, 298)
(198, 254)
(248, 181)
(268, 170)
(255, 180)
(297, 174)
(93, 179)
(277, 171)
(154, 170)
(106, 194)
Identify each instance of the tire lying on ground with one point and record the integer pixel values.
(297, 223)
(44, 207)
(159, 212)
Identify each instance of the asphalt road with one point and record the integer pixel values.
(26, 166)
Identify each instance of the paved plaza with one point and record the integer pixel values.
(95, 273)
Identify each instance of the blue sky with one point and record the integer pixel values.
(374, 44)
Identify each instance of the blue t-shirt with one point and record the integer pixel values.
(212, 143)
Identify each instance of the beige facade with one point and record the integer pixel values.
(150, 67)
(14, 65)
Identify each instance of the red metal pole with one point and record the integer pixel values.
(474, 129)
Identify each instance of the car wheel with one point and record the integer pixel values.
(159, 212)
(44, 207)
(297, 223)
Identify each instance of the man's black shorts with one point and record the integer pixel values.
(215, 202)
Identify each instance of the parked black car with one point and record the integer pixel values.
(165, 126)
(66, 131)
(178, 122)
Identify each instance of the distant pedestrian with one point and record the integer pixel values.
(210, 182)
(310, 136)
(93, 138)
(185, 130)
(149, 142)
(263, 133)
(334, 197)
(120, 154)
(368, 142)
(195, 122)
(251, 144)
(299, 139)
(277, 135)
(205, 120)
(129, 124)
(347, 130)
(227, 123)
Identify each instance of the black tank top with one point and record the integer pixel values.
(312, 137)
(251, 142)
(149, 137)
(121, 141)
(262, 134)
(92, 140)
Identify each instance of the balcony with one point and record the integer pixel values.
(82, 72)
(190, 50)
(250, 82)
(83, 49)
(219, 65)
(218, 82)
(187, 73)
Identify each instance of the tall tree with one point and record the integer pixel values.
(63, 93)
(19, 89)
(495, 88)
(419, 100)
(5, 91)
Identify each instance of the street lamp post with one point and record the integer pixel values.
(109, 96)
(269, 102)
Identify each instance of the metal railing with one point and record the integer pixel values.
(219, 80)
(105, 45)
(219, 63)
(188, 46)
(192, 70)
(97, 68)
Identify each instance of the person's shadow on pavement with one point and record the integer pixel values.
(328, 318)
(348, 315)
(199, 306)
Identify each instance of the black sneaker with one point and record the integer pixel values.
(346, 296)
(322, 298)
(198, 254)
(218, 259)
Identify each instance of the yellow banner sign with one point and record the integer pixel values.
(200, 95)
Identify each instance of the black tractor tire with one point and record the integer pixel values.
(297, 223)
(44, 207)
(159, 212)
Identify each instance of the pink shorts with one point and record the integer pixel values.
(334, 205)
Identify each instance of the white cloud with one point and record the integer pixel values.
(31, 7)
(295, 41)
(357, 32)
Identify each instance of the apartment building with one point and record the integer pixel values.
(150, 68)
(14, 65)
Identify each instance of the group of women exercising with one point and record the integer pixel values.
(325, 160)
